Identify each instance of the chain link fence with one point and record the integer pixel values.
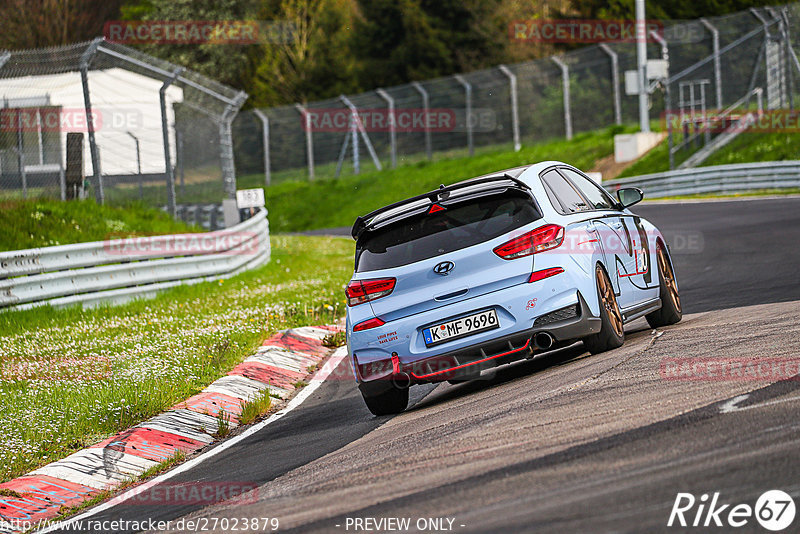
(168, 137)
(101, 120)
(728, 60)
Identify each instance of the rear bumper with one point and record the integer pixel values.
(565, 325)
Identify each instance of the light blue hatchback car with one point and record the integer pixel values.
(495, 269)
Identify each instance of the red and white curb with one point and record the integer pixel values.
(283, 360)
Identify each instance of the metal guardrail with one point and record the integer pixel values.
(717, 179)
(118, 270)
(208, 216)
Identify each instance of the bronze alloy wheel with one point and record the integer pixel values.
(669, 278)
(609, 302)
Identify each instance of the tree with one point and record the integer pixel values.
(315, 63)
(657, 9)
(397, 41)
(42, 23)
(231, 64)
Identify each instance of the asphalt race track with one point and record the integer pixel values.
(566, 441)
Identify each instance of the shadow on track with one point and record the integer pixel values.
(521, 369)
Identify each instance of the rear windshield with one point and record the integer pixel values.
(461, 225)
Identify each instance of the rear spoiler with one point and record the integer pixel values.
(363, 223)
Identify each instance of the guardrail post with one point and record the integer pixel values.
(309, 139)
(392, 125)
(783, 28)
(767, 38)
(138, 164)
(86, 57)
(265, 138)
(21, 157)
(62, 181)
(358, 127)
(667, 96)
(162, 97)
(352, 127)
(512, 83)
(467, 111)
(641, 65)
(179, 160)
(717, 66)
(565, 86)
(792, 55)
(226, 144)
(426, 110)
(614, 81)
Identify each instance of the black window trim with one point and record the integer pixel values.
(564, 210)
(557, 168)
(614, 203)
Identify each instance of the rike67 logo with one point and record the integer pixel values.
(774, 510)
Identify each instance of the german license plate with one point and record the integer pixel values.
(466, 326)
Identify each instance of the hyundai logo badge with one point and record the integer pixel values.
(444, 268)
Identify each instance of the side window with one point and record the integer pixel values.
(564, 197)
(597, 197)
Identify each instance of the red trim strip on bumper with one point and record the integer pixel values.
(527, 344)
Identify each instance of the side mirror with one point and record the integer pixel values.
(628, 196)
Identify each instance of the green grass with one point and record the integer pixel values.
(255, 408)
(745, 148)
(749, 147)
(45, 222)
(296, 206)
(71, 377)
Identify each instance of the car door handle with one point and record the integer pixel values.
(617, 226)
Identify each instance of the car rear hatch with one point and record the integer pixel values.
(440, 251)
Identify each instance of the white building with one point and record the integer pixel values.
(126, 106)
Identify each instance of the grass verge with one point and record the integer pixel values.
(746, 148)
(47, 222)
(297, 206)
(71, 377)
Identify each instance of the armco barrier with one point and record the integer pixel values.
(116, 271)
(717, 179)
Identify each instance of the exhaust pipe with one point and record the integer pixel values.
(543, 341)
(401, 380)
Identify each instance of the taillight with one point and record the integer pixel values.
(544, 273)
(543, 238)
(361, 291)
(369, 323)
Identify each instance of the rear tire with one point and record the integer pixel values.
(387, 401)
(612, 333)
(670, 311)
